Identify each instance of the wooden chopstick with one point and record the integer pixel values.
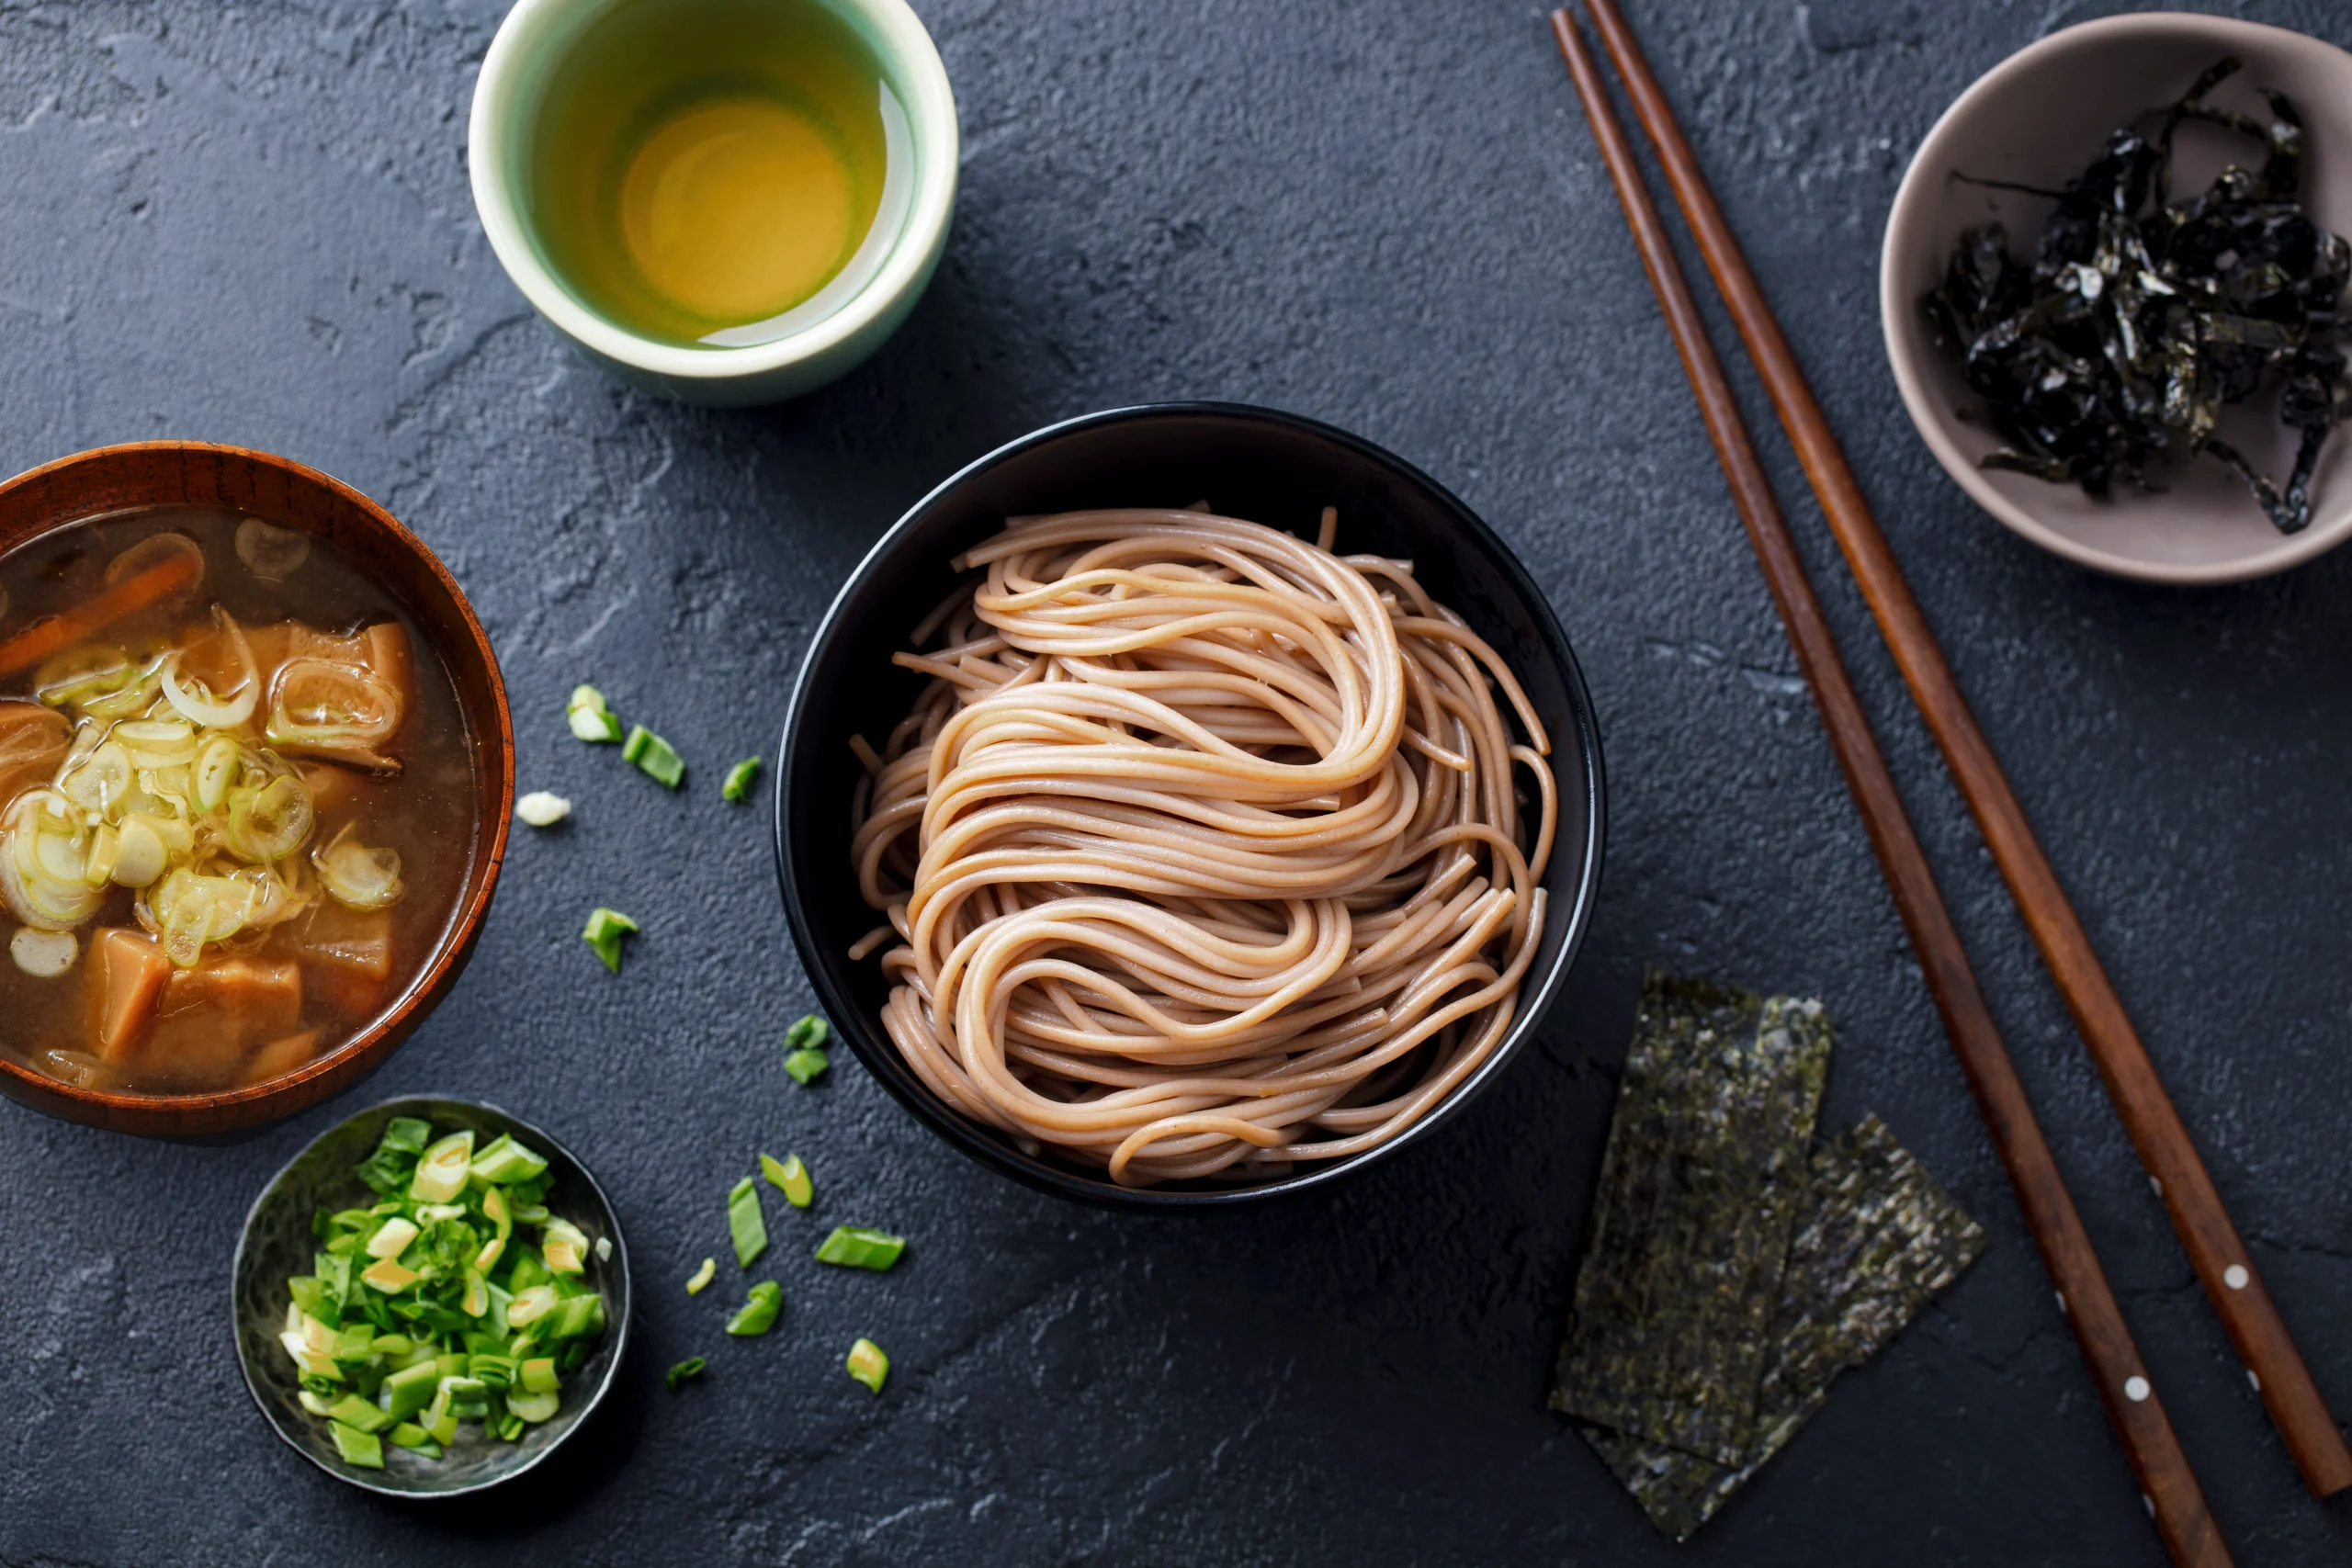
(2173, 1498)
(2232, 1282)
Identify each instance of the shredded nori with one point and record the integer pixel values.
(1691, 1227)
(2111, 354)
(1877, 1239)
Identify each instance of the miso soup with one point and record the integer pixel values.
(236, 801)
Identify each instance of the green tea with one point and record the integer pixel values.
(717, 172)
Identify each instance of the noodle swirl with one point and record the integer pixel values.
(1201, 853)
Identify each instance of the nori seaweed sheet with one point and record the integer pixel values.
(1699, 1190)
(1877, 1240)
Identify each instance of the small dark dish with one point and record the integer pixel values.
(192, 473)
(1256, 463)
(276, 1244)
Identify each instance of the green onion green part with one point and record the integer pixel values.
(688, 1368)
(760, 1309)
(789, 1177)
(363, 1449)
(738, 779)
(745, 1223)
(604, 932)
(868, 1365)
(808, 1034)
(854, 1246)
(702, 1276)
(654, 756)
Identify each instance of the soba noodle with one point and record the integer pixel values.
(1203, 852)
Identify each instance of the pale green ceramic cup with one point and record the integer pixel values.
(823, 339)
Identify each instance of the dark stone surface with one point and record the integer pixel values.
(252, 224)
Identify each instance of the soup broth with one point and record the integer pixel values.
(236, 801)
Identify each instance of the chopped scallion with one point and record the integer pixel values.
(745, 1223)
(789, 1177)
(684, 1370)
(868, 1365)
(363, 1449)
(702, 1276)
(854, 1246)
(739, 778)
(759, 1313)
(604, 932)
(591, 719)
(656, 757)
(542, 808)
(804, 1066)
(807, 1033)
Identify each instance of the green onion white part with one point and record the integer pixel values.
(541, 809)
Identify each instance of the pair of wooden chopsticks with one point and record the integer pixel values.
(2212, 1243)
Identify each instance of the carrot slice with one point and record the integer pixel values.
(93, 615)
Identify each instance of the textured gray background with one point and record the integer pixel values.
(252, 224)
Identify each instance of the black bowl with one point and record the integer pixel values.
(1273, 467)
(277, 1243)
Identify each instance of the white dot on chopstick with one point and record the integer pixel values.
(2155, 1187)
(2254, 1378)
(2148, 1503)
(2236, 1276)
(2135, 1388)
(2062, 1303)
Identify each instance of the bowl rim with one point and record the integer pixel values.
(206, 1112)
(616, 1268)
(1906, 348)
(880, 1058)
(895, 32)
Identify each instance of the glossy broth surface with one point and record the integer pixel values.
(270, 998)
(717, 172)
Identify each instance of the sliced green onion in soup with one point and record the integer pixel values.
(356, 876)
(157, 742)
(100, 779)
(270, 553)
(268, 822)
(219, 762)
(43, 955)
(195, 702)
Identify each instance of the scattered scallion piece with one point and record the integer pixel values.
(703, 1276)
(684, 1372)
(604, 929)
(409, 1435)
(591, 719)
(789, 1177)
(542, 809)
(656, 757)
(363, 1449)
(738, 779)
(803, 1056)
(760, 1309)
(745, 1223)
(854, 1246)
(868, 1365)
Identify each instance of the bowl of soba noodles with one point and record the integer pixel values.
(255, 772)
(1188, 805)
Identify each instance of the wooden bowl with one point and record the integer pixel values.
(192, 473)
(2037, 118)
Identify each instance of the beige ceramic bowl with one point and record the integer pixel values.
(2037, 118)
